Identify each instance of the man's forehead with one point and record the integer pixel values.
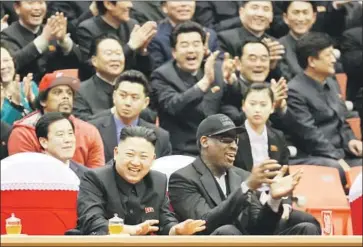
(189, 36)
(255, 49)
(61, 87)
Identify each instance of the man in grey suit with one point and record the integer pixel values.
(55, 133)
(317, 114)
(212, 189)
(130, 97)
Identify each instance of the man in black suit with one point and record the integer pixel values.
(316, 112)
(55, 133)
(40, 49)
(185, 92)
(95, 94)
(256, 17)
(114, 18)
(144, 11)
(177, 12)
(212, 189)
(130, 97)
(128, 188)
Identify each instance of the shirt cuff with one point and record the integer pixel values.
(41, 44)
(244, 187)
(66, 44)
(274, 204)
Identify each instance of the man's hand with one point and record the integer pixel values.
(60, 27)
(49, 28)
(4, 22)
(208, 78)
(27, 80)
(286, 213)
(283, 186)
(276, 51)
(355, 146)
(229, 68)
(206, 44)
(93, 8)
(263, 173)
(280, 93)
(140, 37)
(146, 227)
(188, 227)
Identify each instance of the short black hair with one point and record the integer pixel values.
(96, 41)
(133, 76)
(101, 6)
(250, 40)
(42, 125)
(138, 131)
(286, 4)
(186, 27)
(259, 86)
(310, 45)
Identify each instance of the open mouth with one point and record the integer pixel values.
(231, 156)
(115, 66)
(134, 171)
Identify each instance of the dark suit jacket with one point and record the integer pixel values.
(291, 65)
(5, 133)
(160, 48)
(107, 128)
(27, 57)
(316, 116)
(218, 15)
(78, 169)
(93, 96)
(182, 107)
(94, 27)
(194, 194)
(6, 8)
(99, 199)
(144, 11)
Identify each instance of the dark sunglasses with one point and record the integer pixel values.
(224, 139)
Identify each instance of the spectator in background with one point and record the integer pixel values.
(130, 97)
(144, 11)
(56, 95)
(177, 12)
(56, 136)
(316, 114)
(7, 9)
(114, 18)
(36, 48)
(95, 94)
(18, 96)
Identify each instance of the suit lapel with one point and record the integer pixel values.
(234, 180)
(208, 181)
(108, 133)
(174, 77)
(245, 153)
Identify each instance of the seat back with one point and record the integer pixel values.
(321, 186)
(355, 200)
(41, 191)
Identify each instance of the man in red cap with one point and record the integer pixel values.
(56, 93)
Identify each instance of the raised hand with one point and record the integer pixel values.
(206, 44)
(59, 26)
(208, 78)
(280, 92)
(12, 91)
(263, 174)
(140, 37)
(48, 29)
(283, 186)
(229, 68)
(276, 51)
(4, 22)
(188, 227)
(27, 80)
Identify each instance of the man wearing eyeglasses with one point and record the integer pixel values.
(212, 189)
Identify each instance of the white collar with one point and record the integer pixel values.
(253, 134)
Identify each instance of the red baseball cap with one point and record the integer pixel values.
(58, 78)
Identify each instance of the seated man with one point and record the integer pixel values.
(114, 18)
(130, 97)
(95, 94)
(130, 189)
(56, 95)
(177, 12)
(212, 189)
(40, 49)
(55, 133)
(316, 113)
(186, 93)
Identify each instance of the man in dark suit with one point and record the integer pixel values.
(211, 188)
(232, 40)
(144, 11)
(128, 188)
(317, 114)
(95, 94)
(55, 133)
(130, 97)
(177, 12)
(186, 93)
(40, 49)
(114, 18)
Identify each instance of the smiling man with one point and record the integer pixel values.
(95, 94)
(130, 189)
(56, 93)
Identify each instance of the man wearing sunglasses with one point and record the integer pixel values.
(212, 189)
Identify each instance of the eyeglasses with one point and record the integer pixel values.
(225, 139)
